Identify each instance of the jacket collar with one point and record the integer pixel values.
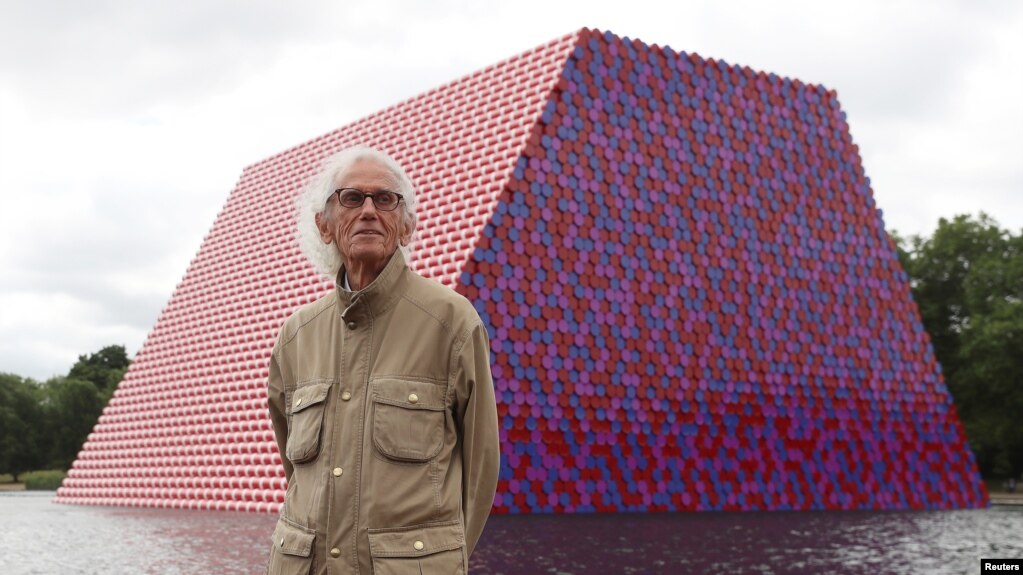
(378, 296)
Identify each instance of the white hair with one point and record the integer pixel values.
(313, 198)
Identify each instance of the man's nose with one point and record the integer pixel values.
(368, 209)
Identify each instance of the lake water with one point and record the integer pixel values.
(42, 537)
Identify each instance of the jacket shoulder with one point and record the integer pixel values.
(447, 306)
(306, 314)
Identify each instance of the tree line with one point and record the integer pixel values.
(44, 424)
(966, 278)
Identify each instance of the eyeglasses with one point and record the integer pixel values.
(352, 198)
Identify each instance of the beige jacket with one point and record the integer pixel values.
(383, 407)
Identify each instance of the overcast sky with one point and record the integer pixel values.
(124, 125)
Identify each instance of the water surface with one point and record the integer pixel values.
(43, 537)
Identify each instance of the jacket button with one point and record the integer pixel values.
(298, 402)
(346, 395)
(413, 398)
(351, 325)
(418, 545)
(338, 471)
(335, 552)
(282, 542)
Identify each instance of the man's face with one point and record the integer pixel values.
(365, 236)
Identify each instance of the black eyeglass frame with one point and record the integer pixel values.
(373, 196)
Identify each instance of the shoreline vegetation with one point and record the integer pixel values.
(44, 480)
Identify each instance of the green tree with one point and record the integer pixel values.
(104, 369)
(70, 409)
(20, 437)
(44, 426)
(967, 280)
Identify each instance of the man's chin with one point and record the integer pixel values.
(369, 254)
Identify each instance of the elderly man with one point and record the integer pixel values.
(380, 393)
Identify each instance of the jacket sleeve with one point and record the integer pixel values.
(476, 411)
(278, 409)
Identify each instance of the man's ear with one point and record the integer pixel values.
(323, 224)
(409, 229)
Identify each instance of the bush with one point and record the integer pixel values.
(43, 480)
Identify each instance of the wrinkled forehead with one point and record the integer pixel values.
(367, 174)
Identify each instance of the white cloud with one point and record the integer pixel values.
(62, 327)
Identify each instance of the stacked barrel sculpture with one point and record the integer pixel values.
(691, 298)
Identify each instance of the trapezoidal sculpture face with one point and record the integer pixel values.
(692, 301)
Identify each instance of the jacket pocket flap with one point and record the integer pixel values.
(291, 539)
(308, 396)
(417, 540)
(409, 393)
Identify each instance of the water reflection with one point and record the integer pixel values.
(768, 543)
(42, 537)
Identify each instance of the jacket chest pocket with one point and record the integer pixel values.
(408, 419)
(306, 430)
